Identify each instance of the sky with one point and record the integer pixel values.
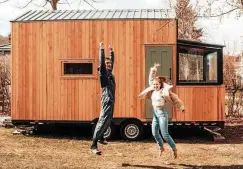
(226, 31)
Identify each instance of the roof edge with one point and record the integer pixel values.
(21, 18)
(191, 42)
(25, 13)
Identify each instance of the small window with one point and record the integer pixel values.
(199, 65)
(78, 68)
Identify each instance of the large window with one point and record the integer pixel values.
(78, 68)
(199, 65)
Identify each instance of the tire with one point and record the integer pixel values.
(109, 133)
(131, 130)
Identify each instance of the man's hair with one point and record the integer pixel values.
(107, 59)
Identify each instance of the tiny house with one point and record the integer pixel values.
(55, 60)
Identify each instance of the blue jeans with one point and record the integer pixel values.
(160, 122)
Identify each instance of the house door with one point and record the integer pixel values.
(163, 56)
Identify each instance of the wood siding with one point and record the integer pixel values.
(202, 103)
(38, 49)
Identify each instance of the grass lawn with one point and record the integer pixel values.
(69, 152)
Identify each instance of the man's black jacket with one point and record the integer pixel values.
(107, 79)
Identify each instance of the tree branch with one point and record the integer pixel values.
(3, 1)
(58, 2)
(95, 1)
(89, 4)
(45, 3)
(230, 3)
(79, 4)
(221, 14)
(25, 5)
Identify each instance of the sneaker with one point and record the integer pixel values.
(161, 150)
(175, 153)
(96, 151)
(104, 142)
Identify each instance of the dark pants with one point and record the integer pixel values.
(103, 122)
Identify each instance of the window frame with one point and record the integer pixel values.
(189, 44)
(78, 76)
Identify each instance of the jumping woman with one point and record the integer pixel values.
(159, 92)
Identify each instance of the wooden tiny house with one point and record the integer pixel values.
(55, 60)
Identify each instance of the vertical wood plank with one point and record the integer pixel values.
(30, 72)
(14, 79)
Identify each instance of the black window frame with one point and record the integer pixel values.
(218, 48)
(76, 68)
(92, 61)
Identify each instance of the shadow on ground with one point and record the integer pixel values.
(185, 166)
(233, 134)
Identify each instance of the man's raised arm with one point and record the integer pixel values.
(102, 68)
(111, 57)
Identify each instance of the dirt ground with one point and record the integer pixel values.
(72, 152)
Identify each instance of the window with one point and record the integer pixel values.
(199, 65)
(78, 68)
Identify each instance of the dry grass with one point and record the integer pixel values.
(19, 151)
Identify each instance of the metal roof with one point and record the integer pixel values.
(51, 15)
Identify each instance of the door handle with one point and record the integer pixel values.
(170, 73)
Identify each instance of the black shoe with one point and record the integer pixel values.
(104, 142)
(96, 151)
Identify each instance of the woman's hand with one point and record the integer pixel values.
(156, 65)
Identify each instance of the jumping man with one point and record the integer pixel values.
(108, 85)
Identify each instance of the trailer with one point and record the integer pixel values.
(55, 60)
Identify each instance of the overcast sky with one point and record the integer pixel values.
(228, 31)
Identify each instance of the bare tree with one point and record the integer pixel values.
(186, 21)
(5, 82)
(4, 40)
(44, 3)
(229, 70)
(190, 64)
(216, 8)
(234, 86)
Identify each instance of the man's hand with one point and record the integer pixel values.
(101, 45)
(110, 47)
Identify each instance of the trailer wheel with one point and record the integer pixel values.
(131, 130)
(109, 133)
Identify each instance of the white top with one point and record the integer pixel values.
(157, 99)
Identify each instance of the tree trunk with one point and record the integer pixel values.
(233, 112)
(54, 4)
